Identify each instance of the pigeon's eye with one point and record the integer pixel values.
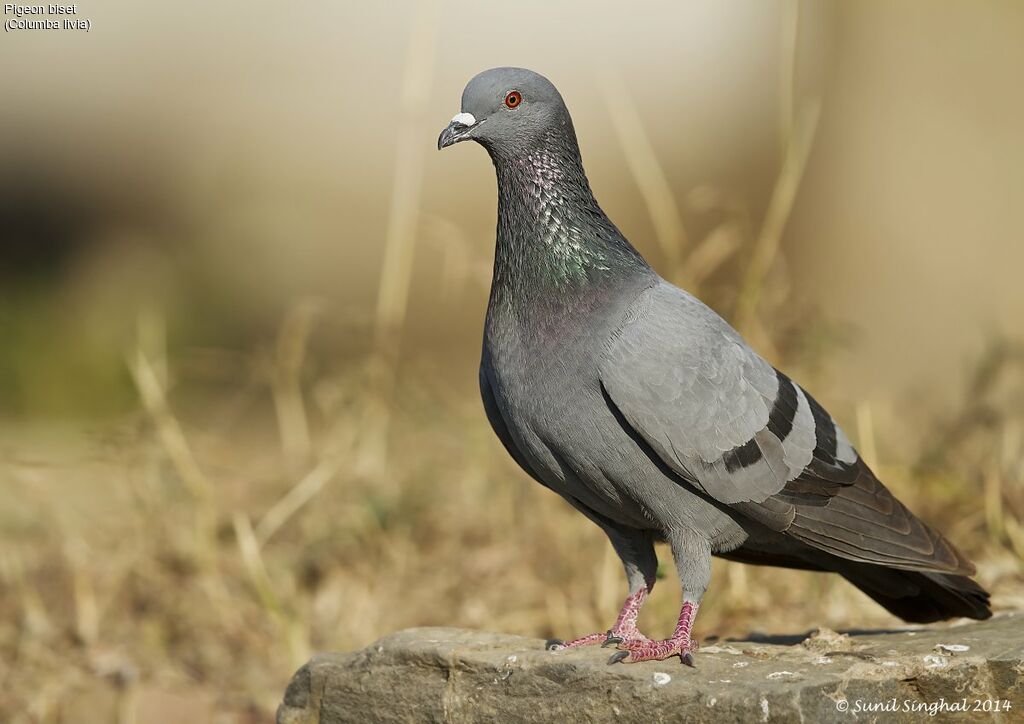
(513, 99)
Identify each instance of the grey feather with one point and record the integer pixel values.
(692, 388)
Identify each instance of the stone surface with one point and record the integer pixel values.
(454, 675)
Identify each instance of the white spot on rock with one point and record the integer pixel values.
(512, 659)
(765, 712)
(951, 648)
(823, 660)
(781, 675)
(661, 678)
(740, 664)
(712, 701)
(935, 662)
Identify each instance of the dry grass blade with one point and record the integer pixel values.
(296, 640)
(292, 341)
(249, 549)
(171, 436)
(152, 340)
(995, 514)
(461, 261)
(399, 240)
(712, 252)
(766, 247)
(648, 173)
(788, 69)
(35, 619)
(87, 616)
(294, 499)
(1000, 359)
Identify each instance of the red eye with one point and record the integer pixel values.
(513, 99)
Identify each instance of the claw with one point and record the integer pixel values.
(688, 659)
(617, 657)
(612, 641)
(553, 644)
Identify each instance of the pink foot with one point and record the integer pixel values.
(636, 651)
(680, 644)
(623, 631)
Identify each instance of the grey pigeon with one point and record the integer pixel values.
(650, 415)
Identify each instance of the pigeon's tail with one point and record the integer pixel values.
(920, 596)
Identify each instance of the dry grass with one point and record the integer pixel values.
(180, 559)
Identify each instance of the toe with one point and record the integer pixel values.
(612, 641)
(636, 650)
(554, 644)
(618, 656)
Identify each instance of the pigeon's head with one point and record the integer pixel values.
(507, 110)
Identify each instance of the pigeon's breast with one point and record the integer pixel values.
(552, 410)
(545, 384)
(543, 351)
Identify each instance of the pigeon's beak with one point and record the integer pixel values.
(457, 130)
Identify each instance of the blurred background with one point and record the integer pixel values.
(241, 302)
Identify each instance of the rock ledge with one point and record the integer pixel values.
(455, 675)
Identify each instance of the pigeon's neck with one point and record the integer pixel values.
(553, 238)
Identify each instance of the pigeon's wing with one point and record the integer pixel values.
(860, 521)
(715, 412)
(720, 417)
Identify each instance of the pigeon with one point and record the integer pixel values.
(650, 415)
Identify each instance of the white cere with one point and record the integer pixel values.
(466, 119)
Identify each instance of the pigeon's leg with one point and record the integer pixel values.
(636, 549)
(693, 560)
